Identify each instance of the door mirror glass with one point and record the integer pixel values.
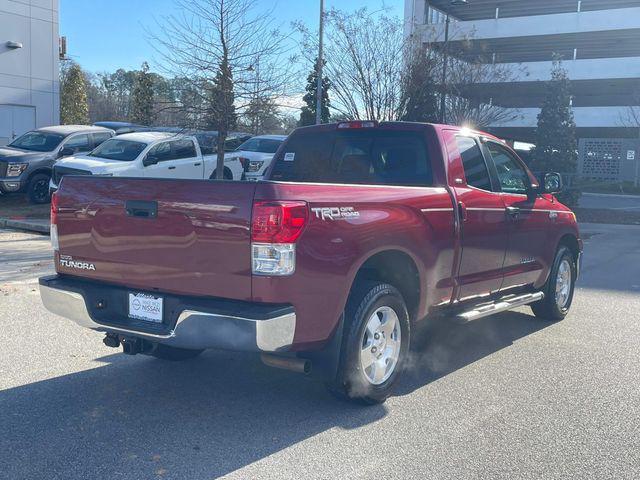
(150, 159)
(552, 183)
(66, 152)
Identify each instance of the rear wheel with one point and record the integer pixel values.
(558, 291)
(375, 343)
(38, 189)
(174, 354)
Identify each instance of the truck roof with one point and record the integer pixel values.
(148, 137)
(70, 129)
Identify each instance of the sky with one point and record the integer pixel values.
(104, 35)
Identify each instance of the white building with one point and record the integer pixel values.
(599, 41)
(29, 57)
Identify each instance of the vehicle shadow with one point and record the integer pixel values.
(441, 347)
(138, 417)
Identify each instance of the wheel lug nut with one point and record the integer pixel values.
(374, 349)
(376, 336)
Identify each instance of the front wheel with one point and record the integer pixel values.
(375, 343)
(558, 291)
(38, 189)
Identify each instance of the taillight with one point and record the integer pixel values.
(278, 222)
(275, 226)
(54, 220)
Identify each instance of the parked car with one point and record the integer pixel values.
(27, 162)
(121, 127)
(362, 231)
(146, 154)
(256, 154)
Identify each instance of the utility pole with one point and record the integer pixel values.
(445, 61)
(319, 69)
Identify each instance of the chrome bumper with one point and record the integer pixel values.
(193, 329)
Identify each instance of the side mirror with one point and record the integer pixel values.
(150, 160)
(552, 183)
(66, 152)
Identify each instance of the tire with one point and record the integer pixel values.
(373, 384)
(38, 189)
(557, 297)
(227, 175)
(174, 354)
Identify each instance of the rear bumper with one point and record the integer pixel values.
(188, 322)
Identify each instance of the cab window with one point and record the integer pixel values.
(511, 174)
(79, 143)
(475, 168)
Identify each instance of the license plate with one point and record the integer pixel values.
(143, 306)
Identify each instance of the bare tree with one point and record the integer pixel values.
(363, 55)
(231, 53)
(378, 73)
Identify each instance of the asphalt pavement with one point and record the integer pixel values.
(626, 203)
(507, 396)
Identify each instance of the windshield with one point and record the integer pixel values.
(116, 149)
(262, 145)
(38, 141)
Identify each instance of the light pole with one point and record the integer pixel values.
(445, 61)
(319, 69)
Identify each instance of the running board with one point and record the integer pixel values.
(501, 305)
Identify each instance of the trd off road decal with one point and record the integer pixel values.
(335, 213)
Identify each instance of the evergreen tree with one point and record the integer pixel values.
(142, 100)
(556, 145)
(74, 108)
(419, 90)
(308, 112)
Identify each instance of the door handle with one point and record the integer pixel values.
(513, 212)
(171, 168)
(141, 208)
(197, 164)
(462, 209)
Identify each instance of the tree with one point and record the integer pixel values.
(262, 116)
(419, 100)
(74, 108)
(219, 44)
(556, 145)
(308, 111)
(142, 101)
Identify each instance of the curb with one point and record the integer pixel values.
(38, 227)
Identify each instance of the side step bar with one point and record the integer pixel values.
(500, 305)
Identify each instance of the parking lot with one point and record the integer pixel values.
(506, 396)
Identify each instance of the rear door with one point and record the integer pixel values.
(483, 224)
(527, 218)
(178, 236)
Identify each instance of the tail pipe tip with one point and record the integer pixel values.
(299, 365)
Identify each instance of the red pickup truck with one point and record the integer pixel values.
(362, 230)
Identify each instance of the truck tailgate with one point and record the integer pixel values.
(197, 242)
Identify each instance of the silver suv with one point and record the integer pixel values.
(27, 162)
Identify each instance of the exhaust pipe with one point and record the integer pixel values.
(299, 365)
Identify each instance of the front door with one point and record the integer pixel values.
(483, 224)
(528, 218)
(175, 159)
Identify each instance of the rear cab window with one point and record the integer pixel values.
(475, 167)
(366, 157)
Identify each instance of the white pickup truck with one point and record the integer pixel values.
(147, 154)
